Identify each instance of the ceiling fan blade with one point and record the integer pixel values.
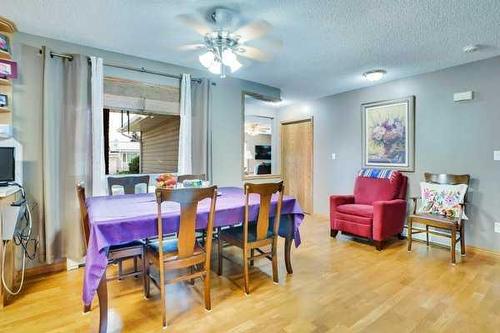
(253, 30)
(253, 53)
(193, 23)
(273, 43)
(191, 47)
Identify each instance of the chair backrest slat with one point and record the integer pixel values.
(188, 198)
(84, 216)
(265, 192)
(128, 183)
(444, 178)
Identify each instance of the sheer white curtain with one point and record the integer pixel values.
(185, 152)
(66, 152)
(97, 105)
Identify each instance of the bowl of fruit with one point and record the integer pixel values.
(166, 180)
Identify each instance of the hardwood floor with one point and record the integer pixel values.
(338, 285)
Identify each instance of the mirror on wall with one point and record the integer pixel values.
(259, 137)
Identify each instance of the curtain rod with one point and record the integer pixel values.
(143, 70)
(135, 69)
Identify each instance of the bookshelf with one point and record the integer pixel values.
(7, 28)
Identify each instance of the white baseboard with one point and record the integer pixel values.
(74, 264)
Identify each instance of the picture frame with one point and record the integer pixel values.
(4, 43)
(388, 134)
(4, 100)
(8, 69)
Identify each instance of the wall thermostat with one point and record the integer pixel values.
(463, 96)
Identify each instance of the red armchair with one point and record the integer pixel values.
(376, 211)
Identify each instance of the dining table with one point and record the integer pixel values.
(115, 220)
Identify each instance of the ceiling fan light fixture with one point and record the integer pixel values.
(207, 59)
(374, 75)
(235, 66)
(215, 68)
(228, 57)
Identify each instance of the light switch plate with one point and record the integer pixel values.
(497, 227)
(496, 155)
(334, 156)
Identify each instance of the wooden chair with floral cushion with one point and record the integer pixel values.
(449, 222)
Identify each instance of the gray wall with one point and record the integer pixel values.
(450, 138)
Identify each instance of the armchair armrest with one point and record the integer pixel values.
(415, 202)
(388, 218)
(338, 200)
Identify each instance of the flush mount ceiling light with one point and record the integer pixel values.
(374, 75)
(471, 48)
(223, 44)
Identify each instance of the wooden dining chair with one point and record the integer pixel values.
(449, 227)
(128, 183)
(182, 178)
(183, 252)
(255, 236)
(116, 253)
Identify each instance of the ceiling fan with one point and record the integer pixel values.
(224, 41)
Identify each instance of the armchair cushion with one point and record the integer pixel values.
(356, 209)
(367, 190)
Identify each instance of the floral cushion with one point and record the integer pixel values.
(442, 199)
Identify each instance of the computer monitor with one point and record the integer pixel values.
(7, 164)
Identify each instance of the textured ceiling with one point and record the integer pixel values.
(327, 45)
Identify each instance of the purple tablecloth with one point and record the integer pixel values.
(122, 219)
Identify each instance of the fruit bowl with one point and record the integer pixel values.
(166, 180)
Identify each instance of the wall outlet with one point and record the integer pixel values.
(497, 227)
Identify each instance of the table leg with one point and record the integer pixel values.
(102, 294)
(288, 246)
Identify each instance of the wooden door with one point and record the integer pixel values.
(297, 161)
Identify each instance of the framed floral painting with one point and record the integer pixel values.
(388, 134)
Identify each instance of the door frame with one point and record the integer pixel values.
(294, 121)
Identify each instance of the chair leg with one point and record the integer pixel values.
(219, 253)
(145, 275)
(275, 260)
(120, 269)
(208, 303)
(427, 235)
(163, 298)
(453, 244)
(409, 231)
(136, 267)
(333, 233)
(191, 270)
(252, 253)
(288, 263)
(378, 245)
(245, 271)
(462, 240)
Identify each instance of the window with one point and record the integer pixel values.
(259, 145)
(141, 127)
(137, 143)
